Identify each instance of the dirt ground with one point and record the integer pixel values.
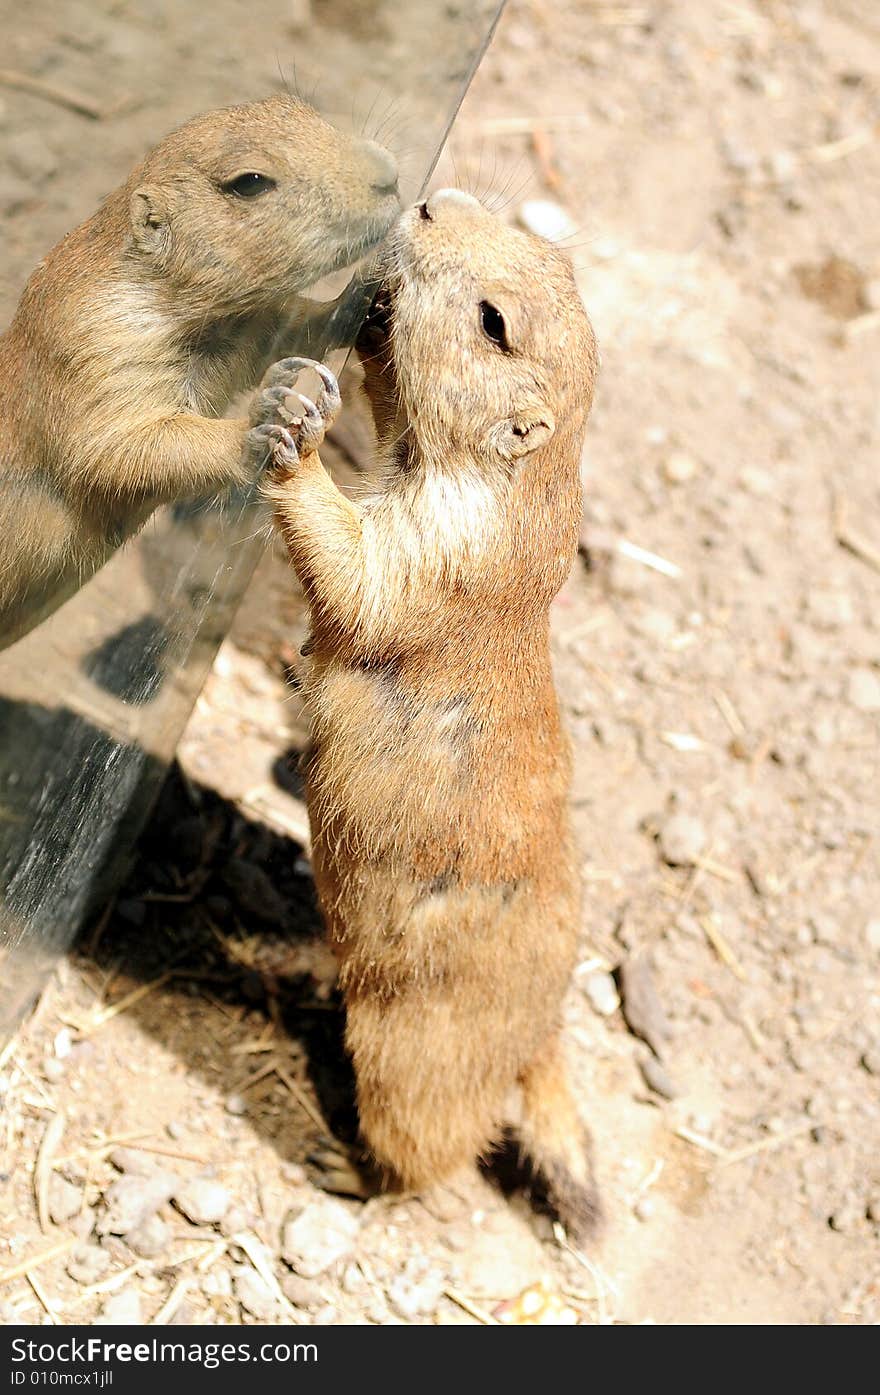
(718, 660)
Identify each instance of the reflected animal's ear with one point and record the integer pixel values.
(522, 434)
(149, 219)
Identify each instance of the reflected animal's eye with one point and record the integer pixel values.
(494, 328)
(248, 186)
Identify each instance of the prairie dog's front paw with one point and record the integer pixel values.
(285, 424)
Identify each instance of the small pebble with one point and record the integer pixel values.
(253, 1293)
(602, 992)
(641, 1005)
(217, 1283)
(756, 481)
(202, 1201)
(150, 1238)
(546, 219)
(845, 1218)
(353, 1280)
(782, 166)
(741, 159)
(65, 1199)
(411, 1297)
(132, 1200)
(237, 1219)
(121, 1309)
(134, 1162)
(658, 1078)
(236, 1104)
(829, 608)
(682, 839)
(654, 623)
(644, 1208)
(319, 1237)
(863, 690)
(679, 467)
(87, 1264)
(307, 1294)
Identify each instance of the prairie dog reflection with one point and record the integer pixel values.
(138, 329)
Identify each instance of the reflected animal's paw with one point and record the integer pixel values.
(285, 424)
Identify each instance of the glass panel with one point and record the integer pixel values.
(93, 697)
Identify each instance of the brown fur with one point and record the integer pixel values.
(136, 331)
(439, 772)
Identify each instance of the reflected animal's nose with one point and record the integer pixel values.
(383, 173)
(448, 201)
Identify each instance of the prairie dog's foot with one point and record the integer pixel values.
(342, 1171)
(286, 425)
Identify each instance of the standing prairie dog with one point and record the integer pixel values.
(438, 775)
(137, 330)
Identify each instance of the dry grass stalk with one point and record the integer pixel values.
(720, 946)
(172, 1302)
(647, 559)
(61, 96)
(473, 1309)
(767, 1145)
(729, 713)
(43, 1298)
(253, 1250)
(300, 1096)
(603, 1284)
(27, 1266)
(727, 1156)
(839, 149)
(853, 542)
(43, 1168)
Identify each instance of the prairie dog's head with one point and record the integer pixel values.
(244, 207)
(477, 343)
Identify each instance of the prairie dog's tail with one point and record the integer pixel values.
(556, 1144)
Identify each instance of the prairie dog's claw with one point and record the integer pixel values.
(287, 370)
(278, 408)
(273, 444)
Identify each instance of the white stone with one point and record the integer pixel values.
(319, 1237)
(546, 219)
(602, 993)
(863, 689)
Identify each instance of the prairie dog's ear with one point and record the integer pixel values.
(149, 218)
(524, 433)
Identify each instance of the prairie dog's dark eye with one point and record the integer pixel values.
(248, 186)
(493, 325)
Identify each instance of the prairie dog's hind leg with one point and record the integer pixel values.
(556, 1143)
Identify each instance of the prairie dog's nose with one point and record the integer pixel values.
(383, 168)
(447, 200)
